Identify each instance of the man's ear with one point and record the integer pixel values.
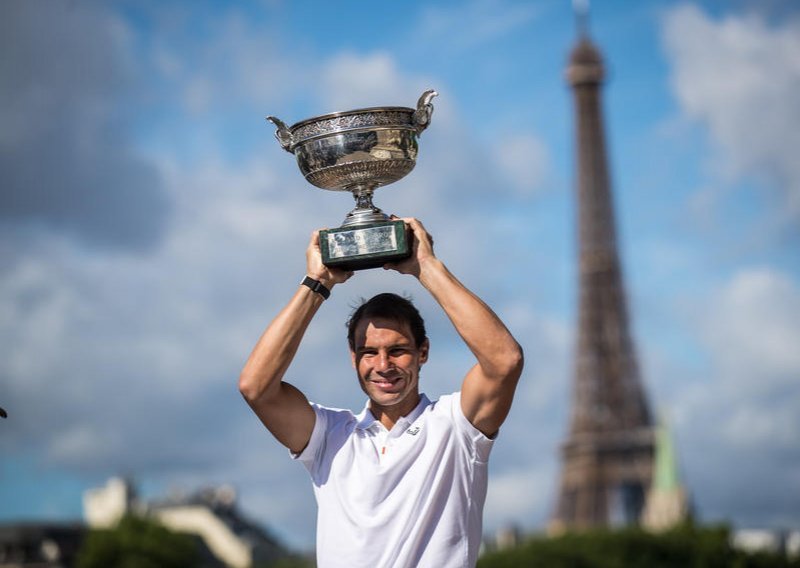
(353, 359)
(424, 349)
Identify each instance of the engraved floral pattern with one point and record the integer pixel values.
(374, 174)
(352, 121)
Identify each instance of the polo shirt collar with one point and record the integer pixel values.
(365, 419)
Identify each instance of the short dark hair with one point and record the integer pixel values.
(392, 307)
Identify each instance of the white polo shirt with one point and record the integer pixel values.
(409, 497)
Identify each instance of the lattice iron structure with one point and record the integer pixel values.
(607, 459)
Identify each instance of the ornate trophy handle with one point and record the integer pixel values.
(422, 116)
(282, 133)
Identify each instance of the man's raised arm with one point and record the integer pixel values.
(488, 388)
(282, 408)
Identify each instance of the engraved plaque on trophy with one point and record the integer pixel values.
(359, 151)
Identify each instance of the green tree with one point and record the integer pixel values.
(686, 546)
(137, 543)
(293, 561)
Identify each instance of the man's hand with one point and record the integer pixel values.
(327, 275)
(421, 252)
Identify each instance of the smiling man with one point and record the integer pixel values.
(403, 483)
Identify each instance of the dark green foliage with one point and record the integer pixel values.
(291, 562)
(688, 546)
(137, 543)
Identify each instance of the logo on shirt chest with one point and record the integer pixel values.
(413, 431)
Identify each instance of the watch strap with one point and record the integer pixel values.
(317, 287)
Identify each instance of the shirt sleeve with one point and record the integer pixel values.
(481, 443)
(309, 454)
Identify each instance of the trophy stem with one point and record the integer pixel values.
(365, 211)
(364, 198)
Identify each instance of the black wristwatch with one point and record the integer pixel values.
(317, 287)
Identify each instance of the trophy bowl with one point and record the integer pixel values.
(342, 151)
(359, 151)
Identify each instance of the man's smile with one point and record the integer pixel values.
(385, 383)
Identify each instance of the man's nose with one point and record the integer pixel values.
(384, 362)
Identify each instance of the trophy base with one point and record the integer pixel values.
(367, 246)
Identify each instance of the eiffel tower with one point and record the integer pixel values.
(607, 458)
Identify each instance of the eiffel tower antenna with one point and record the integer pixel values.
(581, 9)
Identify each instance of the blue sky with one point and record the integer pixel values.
(151, 227)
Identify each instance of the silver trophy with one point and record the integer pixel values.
(359, 151)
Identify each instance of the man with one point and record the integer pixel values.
(403, 483)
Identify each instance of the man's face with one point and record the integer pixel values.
(388, 362)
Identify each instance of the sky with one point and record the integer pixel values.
(151, 227)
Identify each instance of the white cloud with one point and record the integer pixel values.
(742, 412)
(518, 494)
(740, 77)
(351, 81)
(752, 331)
(524, 160)
(79, 442)
(756, 328)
